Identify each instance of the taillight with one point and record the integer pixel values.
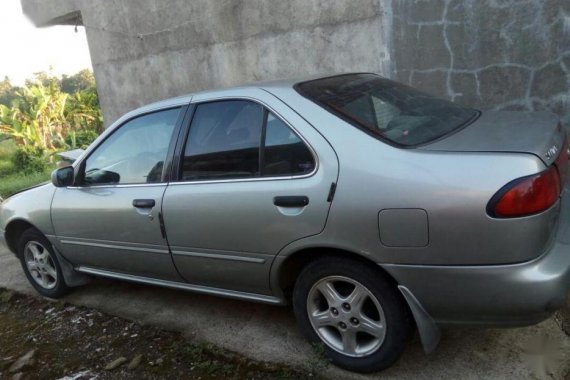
(527, 195)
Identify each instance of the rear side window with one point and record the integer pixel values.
(241, 139)
(285, 153)
(386, 109)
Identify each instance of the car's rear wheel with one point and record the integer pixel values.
(40, 264)
(354, 310)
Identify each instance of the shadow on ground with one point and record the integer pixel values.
(269, 333)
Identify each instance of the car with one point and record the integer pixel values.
(373, 208)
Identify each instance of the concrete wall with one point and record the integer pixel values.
(153, 49)
(504, 54)
(500, 54)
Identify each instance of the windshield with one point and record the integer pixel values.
(387, 109)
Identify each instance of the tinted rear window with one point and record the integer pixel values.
(387, 109)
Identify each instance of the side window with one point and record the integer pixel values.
(135, 153)
(285, 153)
(224, 141)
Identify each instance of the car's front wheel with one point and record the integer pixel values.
(41, 265)
(354, 310)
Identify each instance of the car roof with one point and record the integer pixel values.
(272, 84)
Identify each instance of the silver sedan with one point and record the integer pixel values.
(371, 207)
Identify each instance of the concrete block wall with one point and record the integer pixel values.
(491, 54)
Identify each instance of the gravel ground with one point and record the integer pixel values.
(54, 340)
(269, 334)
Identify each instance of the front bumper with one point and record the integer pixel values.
(3, 244)
(494, 295)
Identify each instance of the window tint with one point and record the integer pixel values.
(224, 141)
(285, 153)
(387, 109)
(135, 153)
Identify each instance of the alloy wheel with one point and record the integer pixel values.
(40, 264)
(346, 316)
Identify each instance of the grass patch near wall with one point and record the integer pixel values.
(11, 181)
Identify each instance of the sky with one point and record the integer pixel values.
(25, 49)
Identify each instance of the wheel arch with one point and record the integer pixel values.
(287, 269)
(14, 229)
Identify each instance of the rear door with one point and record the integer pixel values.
(253, 177)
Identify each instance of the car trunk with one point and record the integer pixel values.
(537, 133)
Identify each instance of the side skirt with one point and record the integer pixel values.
(183, 286)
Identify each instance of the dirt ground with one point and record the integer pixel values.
(53, 340)
(262, 333)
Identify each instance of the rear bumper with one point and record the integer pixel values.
(495, 295)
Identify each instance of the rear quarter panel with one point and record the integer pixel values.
(453, 189)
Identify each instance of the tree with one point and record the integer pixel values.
(46, 78)
(36, 117)
(43, 116)
(83, 80)
(7, 92)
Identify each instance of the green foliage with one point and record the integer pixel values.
(11, 180)
(318, 362)
(7, 150)
(29, 159)
(84, 116)
(80, 139)
(36, 117)
(44, 116)
(82, 81)
(6, 167)
(8, 93)
(16, 182)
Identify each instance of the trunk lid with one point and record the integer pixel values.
(538, 133)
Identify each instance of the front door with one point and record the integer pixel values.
(249, 185)
(110, 220)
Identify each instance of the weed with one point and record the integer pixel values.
(317, 363)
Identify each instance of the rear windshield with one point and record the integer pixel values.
(387, 109)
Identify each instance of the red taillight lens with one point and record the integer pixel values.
(527, 195)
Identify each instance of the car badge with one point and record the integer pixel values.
(551, 152)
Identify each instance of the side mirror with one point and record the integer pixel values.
(62, 177)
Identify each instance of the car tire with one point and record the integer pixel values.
(40, 264)
(359, 315)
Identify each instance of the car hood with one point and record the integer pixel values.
(26, 189)
(538, 133)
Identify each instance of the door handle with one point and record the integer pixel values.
(291, 201)
(144, 203)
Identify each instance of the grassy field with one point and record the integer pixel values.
(10, 181)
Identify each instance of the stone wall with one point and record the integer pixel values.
(492, 54)
(499, 54)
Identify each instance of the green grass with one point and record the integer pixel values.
(10, 181)
(13, 183)
(7, 149)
